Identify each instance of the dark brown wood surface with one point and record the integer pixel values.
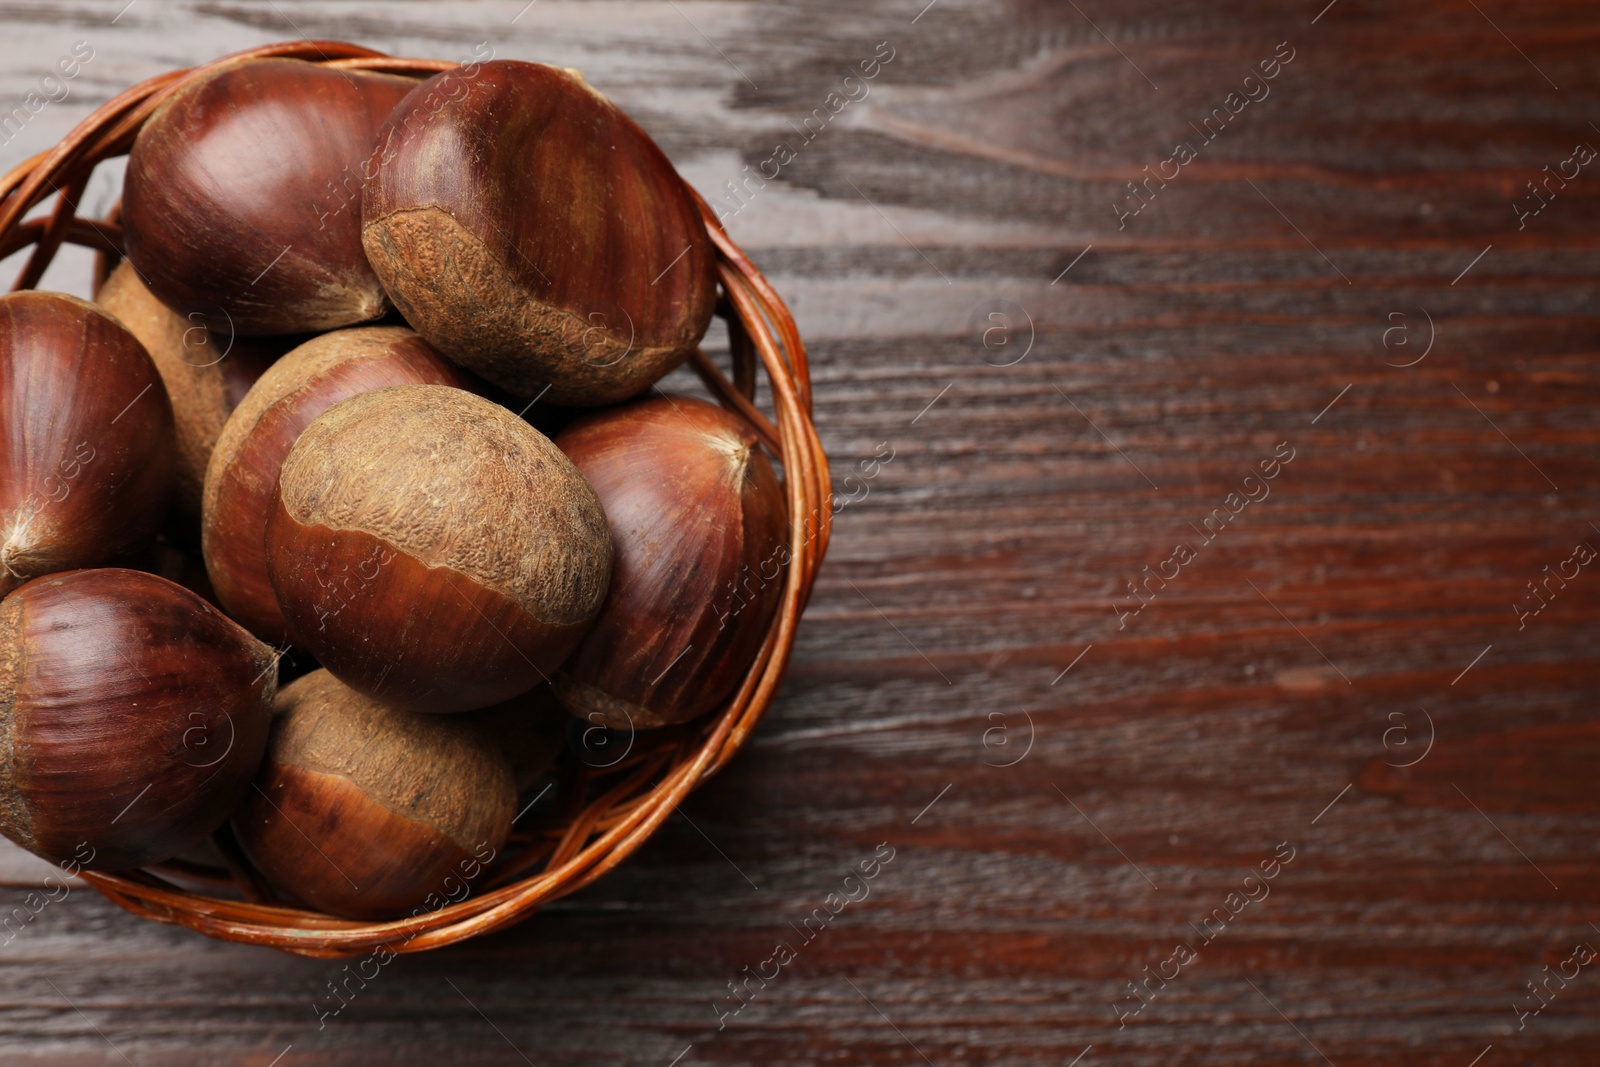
(1348, 670)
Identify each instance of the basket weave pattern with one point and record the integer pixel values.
(602, 814)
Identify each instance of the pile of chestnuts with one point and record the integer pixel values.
(329, 412)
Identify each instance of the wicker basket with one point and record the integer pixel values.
(602, 814)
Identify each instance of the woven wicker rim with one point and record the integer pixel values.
(593, 834)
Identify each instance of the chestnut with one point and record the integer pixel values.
(86, 437)
(241, 196)
(698, 524)
(242, 477)
(366, 810)
(205, 375)
(534, 233)
(133, 716)
(433, 550)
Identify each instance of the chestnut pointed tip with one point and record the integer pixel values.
(735, 449)
(593, 705)
(347, 301)
(577, 76)
(12, 554)
(23, 547)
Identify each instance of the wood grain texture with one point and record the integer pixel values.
(1266, 694)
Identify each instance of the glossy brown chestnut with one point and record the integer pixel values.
(133, 716)
(368, 811)
(434, 551)
(86, 437)
(241, 201)
(206, 375)
(534, 233)
(697, 520)
(242, 479)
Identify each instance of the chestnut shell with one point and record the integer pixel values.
(241, 201)
(367, 810)
(241, 482)
(86, 437)
(205, 375)
(534, 233)
(698, 525)
(133, 716)
(434, 551)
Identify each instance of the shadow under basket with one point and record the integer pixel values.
(600, 814)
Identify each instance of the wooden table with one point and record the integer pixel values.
(1338, 680)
